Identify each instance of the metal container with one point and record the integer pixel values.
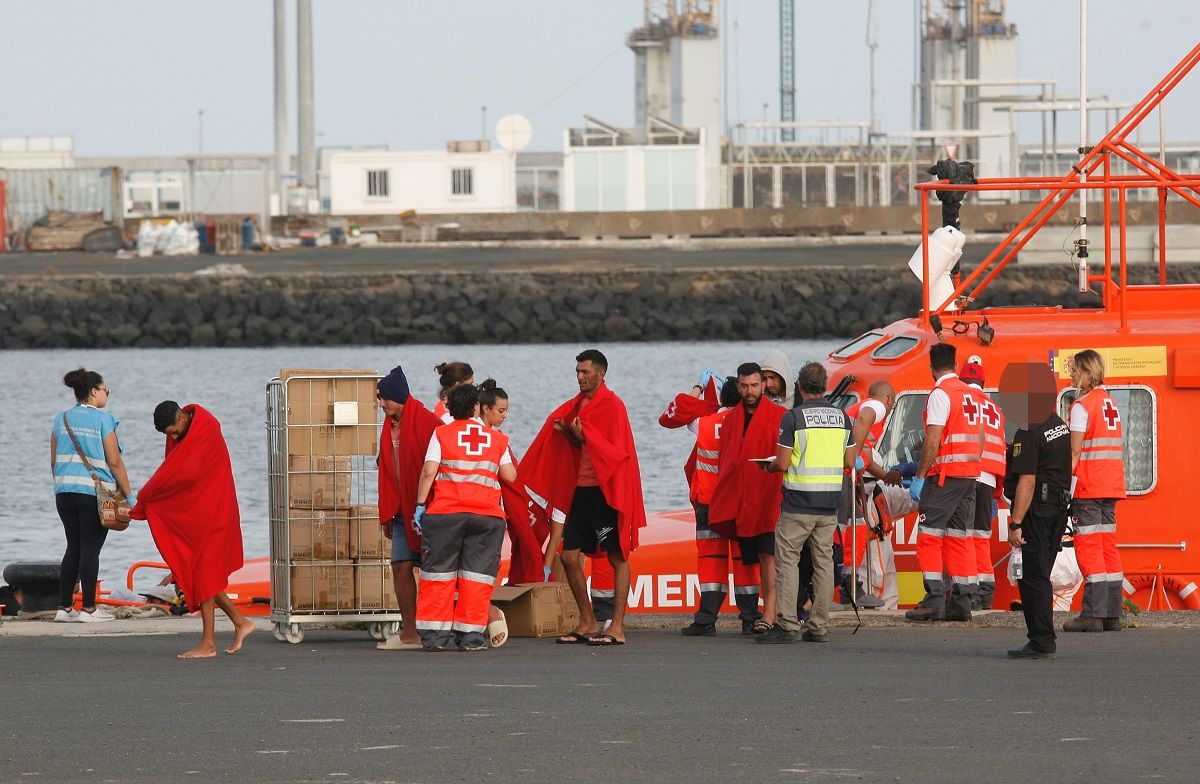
(31, 193)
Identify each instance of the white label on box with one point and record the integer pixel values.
(345, 413)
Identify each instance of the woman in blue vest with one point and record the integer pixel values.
(75, 491)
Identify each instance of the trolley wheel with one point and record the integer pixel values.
(376, 631)
(293, 633)
(277, 631)
(391, 630)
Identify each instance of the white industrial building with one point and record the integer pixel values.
(607, 169)
(373, 182)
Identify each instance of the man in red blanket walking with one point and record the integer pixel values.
(584, 466)
(745, 502)
(192, 507)
(403, 439)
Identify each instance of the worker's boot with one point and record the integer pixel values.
(925, 614)
(1082, 624)
(1111, 624)
(865, 600)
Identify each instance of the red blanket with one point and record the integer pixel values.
(551, 466)
(191, 505)
(685, 409)
(746, 499)
(524, 518)
(417, 424)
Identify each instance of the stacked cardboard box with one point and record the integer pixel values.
(337, 561)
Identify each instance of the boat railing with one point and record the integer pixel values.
(1092, 172)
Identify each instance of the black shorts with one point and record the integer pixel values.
(591, 524)
(754, 546)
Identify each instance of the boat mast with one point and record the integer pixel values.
(1081, 244)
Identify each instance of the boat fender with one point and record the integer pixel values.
(37, 582)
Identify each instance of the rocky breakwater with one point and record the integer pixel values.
(526, 307)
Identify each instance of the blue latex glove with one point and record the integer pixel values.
(915, 487)
(418, 516)
(546, 573)
(131, 498)
(710, 375)
(858, 464)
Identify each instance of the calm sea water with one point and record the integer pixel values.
(231, 383)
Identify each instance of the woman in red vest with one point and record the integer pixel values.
(464, 529)
(1098, 465)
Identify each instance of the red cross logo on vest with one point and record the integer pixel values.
(474, 439)
(1112, 416)
(991, 415)
(970, 410)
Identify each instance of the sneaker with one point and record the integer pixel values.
(924, 614)
(97, 616)
(472, 647)
(777, 635)
(960, 617)
(1029, 652)
(65, 616)
(706, 629)
(1111, 624)
(810, 637)
(748, 628)
(1082, 624)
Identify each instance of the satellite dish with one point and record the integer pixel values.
(514, 132)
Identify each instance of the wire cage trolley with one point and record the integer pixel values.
(330, 562)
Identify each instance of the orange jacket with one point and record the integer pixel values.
(468, 477)
(1100, 472)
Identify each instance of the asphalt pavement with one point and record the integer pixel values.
(475, 258)
(929, 704)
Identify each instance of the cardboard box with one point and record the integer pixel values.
(373, 589)
(331, 416)
(319, 534)
(322, 586)
(318, 482)
(537, 609)
(367, 542)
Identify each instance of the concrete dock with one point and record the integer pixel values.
(110, 702)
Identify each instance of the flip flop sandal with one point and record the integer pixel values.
(761, 627)
(497, 631)
(574, 638)
(604, 641)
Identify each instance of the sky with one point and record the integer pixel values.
(129, 77)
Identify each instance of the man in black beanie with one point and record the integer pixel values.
(403, 440)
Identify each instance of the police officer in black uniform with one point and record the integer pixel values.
(1038, 485)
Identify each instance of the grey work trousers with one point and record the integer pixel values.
(791, 533)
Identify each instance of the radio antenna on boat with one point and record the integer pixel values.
(1081, 244)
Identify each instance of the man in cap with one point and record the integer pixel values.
(403, 440)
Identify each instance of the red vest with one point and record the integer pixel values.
(708, 443)
(1100, 472)
(960, 451)
(993, 459)
(468, 480)
(876, 431)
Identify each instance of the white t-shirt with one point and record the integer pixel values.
(434, 453)
(877, 407)
(937, 408)
(1079, 418)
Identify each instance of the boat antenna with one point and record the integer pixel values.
(1081, 244)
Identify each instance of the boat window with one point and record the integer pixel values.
(1137, 408)
(905, 431)
(847, 400)
(896, 347)
(857, 345)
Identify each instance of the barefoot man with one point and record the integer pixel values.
(191, 505)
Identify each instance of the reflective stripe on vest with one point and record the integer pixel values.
(708, 444)
(468, 479)
(815, 469)
(1100, 472)
(960, 449)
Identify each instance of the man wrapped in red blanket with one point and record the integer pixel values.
(745, 502)
(192, 507)
(583, 470)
